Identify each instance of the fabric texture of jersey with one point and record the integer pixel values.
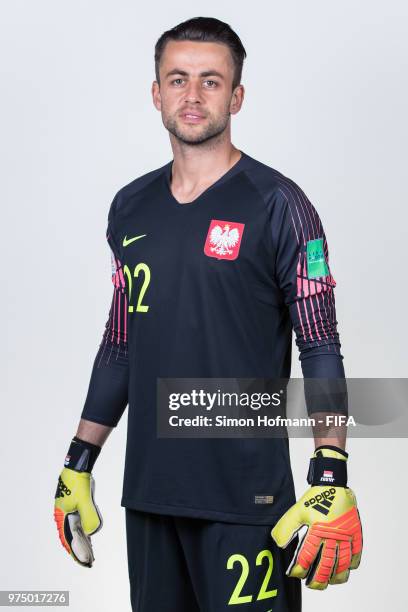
(212, 288)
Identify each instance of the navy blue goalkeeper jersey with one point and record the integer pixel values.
(211, 288)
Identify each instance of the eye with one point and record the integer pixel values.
(177, 81)
(211, 84)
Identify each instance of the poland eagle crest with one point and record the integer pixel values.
(223, 239)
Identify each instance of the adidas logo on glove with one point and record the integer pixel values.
(329, 493)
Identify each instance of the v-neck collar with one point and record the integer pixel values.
(237, 167)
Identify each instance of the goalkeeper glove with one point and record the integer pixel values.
(75, 512)
(333, 542)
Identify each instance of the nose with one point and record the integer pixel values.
(193, 92)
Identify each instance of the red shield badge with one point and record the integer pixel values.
(223, 239)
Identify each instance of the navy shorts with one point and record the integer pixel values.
(179, 564)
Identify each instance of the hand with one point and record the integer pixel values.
(332, 545)
(75, 512)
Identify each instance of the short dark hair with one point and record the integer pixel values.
(204, 29)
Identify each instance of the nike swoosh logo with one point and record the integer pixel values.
(127, 241)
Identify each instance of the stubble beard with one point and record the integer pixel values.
(213, 129)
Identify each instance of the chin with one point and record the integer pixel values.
(190, 136)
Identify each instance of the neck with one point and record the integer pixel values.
(198, 166)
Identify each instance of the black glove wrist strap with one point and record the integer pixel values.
(327, 471)
(81, 455)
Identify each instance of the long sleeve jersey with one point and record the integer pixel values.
(211, 288)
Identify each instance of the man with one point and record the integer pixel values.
(216, 259)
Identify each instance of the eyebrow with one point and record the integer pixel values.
(206, 73)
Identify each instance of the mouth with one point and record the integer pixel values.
(192, 117)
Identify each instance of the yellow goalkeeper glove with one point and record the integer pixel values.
(75, 512)
(333, 542)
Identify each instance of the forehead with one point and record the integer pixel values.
(193, 56)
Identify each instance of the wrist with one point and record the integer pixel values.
(328, 466)
(328, 450)
(81, 455)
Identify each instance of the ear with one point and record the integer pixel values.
(237, 99)
(156, 96)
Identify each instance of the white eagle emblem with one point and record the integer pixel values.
(223, 239)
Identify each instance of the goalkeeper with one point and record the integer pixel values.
(217, 259)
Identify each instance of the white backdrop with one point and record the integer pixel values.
(326, 101)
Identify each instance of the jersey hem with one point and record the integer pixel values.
(215, 515)
(97, 419)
